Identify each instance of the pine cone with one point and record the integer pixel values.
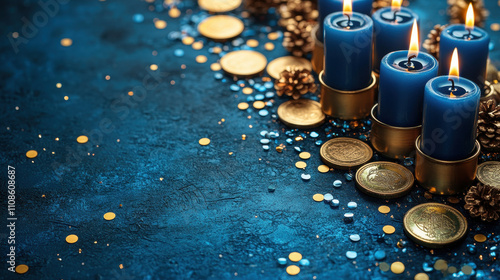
(297, 38)
(297, 10)
(483, 201)
(457, 10)
(431, 44)
(379, 4)
(261, 7)
(488, 125)
(295, 83)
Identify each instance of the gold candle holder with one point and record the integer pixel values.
(392, 141)
(347, 105)
(445, 177)
(318, 54)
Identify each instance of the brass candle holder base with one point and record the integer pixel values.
(392, 141)
(347, 105)
(445, 177)
(318, 54)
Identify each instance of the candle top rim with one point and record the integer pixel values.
(378, 15)
(461, 27)
(366, 24)
(404, 54)
(471, 88)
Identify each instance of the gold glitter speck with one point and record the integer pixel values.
(21, 269)
(201, 59)
(389, 229)
(160, 24)
(66, 42)
(82, 139)
(109, 216)
(31, 154)
(295, 256)
(204, 141)
(384, 209)
(72, 238)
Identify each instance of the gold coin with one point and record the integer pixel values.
(384, 179)
(304, 155)
(384, 209)
(31, 154)
(66, 42)
(480, 238)
(295, 256)
(488, 173)
(82, 139)
(219, 6)
(318, 197)
(421, 276)
(252, 43)
(323, 168)
(384, 266)
(204, 141)
(301, 113)
(397, 267)
(293, 270)
(201, 59)
(345, 153)
(215, 66)
(441, 265)
(22, 269)
(434, 225)
(109, 216)
(269, 46)
(389, 229)
(71, 238)
(160, 24)
(277, 66)
(259, 105)
(243, 106)
(300, 164)
(221, 27)
(243, 63)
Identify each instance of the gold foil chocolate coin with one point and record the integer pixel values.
(434, 225)
(301, 113)
(219, 6)
(345, 153)
(488, 173)
(275, 67)
(221, 27)
(243, 63)
(384, 179)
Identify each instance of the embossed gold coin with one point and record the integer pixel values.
(384, 179)
(275, 67)
(221, 27)
(301, 113)
(345, 153)
(243, 63)
(219, 6)
(434, 225)
(488, 173)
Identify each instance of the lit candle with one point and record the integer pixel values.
(450, 115)
(392, 29)
(472, 44)
(326, 7)
(403, 75)
(348, 49)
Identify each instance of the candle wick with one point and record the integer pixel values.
(348, 20)
(469, 35)
(394, 18)
(452, 84)
(409, 63)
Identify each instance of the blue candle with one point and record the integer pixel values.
(451, 106)
(326, 7)
(472, 44)
(392, 30)
(403, 75)
(348, 50)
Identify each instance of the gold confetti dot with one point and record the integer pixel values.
(300, 164)
(384, 209)
(480, 237)
(72, 238)
(215, 66)
(269, 46)
(259, 105)
(389, 229)
(304, 155)
(243, 137)
(247, 90)
(31, 154)
(160, 24)
(82, 139)
(66, 42)
(108, 77)
(130, 93)
(204, 141)
(293, 270)
(252, 43)
(217, 50)
(397, 267)
(197, 45)
(153, 67)
(58, 85)
(452, 269)
(318, 197)
(441, 265)
(22, 269)
(421, 276)
(109, 216)
(273, 36)
(295, 256)
(174, 13)
(15, 35)
(66, 97)
(243, 106)
(384, 266)
(323, 168)
(201, 59)
(187, 40)
(467, 269)
(495, 26)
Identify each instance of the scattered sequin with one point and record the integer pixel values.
(295, 256)
(138, 18)
(314, 134)
(352, 205)
(109, 216)
(318, 197)
(179, 52)
(355, 237)
(335, 203)
(282, 261)
(263, 113)
(337, 183)
(259, 105)
(215, 66)
(72, 238)
(323, 168)
(384, 209)
(174, 13)
(351, 255)
(467, 269)
(480, 238)
(293, 270)
(389, 229)
(153, 67)
(300, 164)
(304, 262)
(21, 269)
(204, 141)
(66, 42)
(397, 267)
(201, 59)
(82, 139)
(243, 106)
(304, 155)
(252, 43)
(305, 177)
(379, 255)
(441, 265)
(31, 154)
(269, 46)
(328, 197)
(247, 90)
(187, 40)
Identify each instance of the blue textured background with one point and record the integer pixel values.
(211, 217)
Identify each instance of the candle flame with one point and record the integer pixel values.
(414, 40)
(454, 65)
(469, 19)
(347, 7)
(396, 5)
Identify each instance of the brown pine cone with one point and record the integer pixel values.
(297, 38)
(379, 4)
(295, 83)
(297, 10)
(488, 125)
(431, 44)
(457, 10)
(483, 201)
